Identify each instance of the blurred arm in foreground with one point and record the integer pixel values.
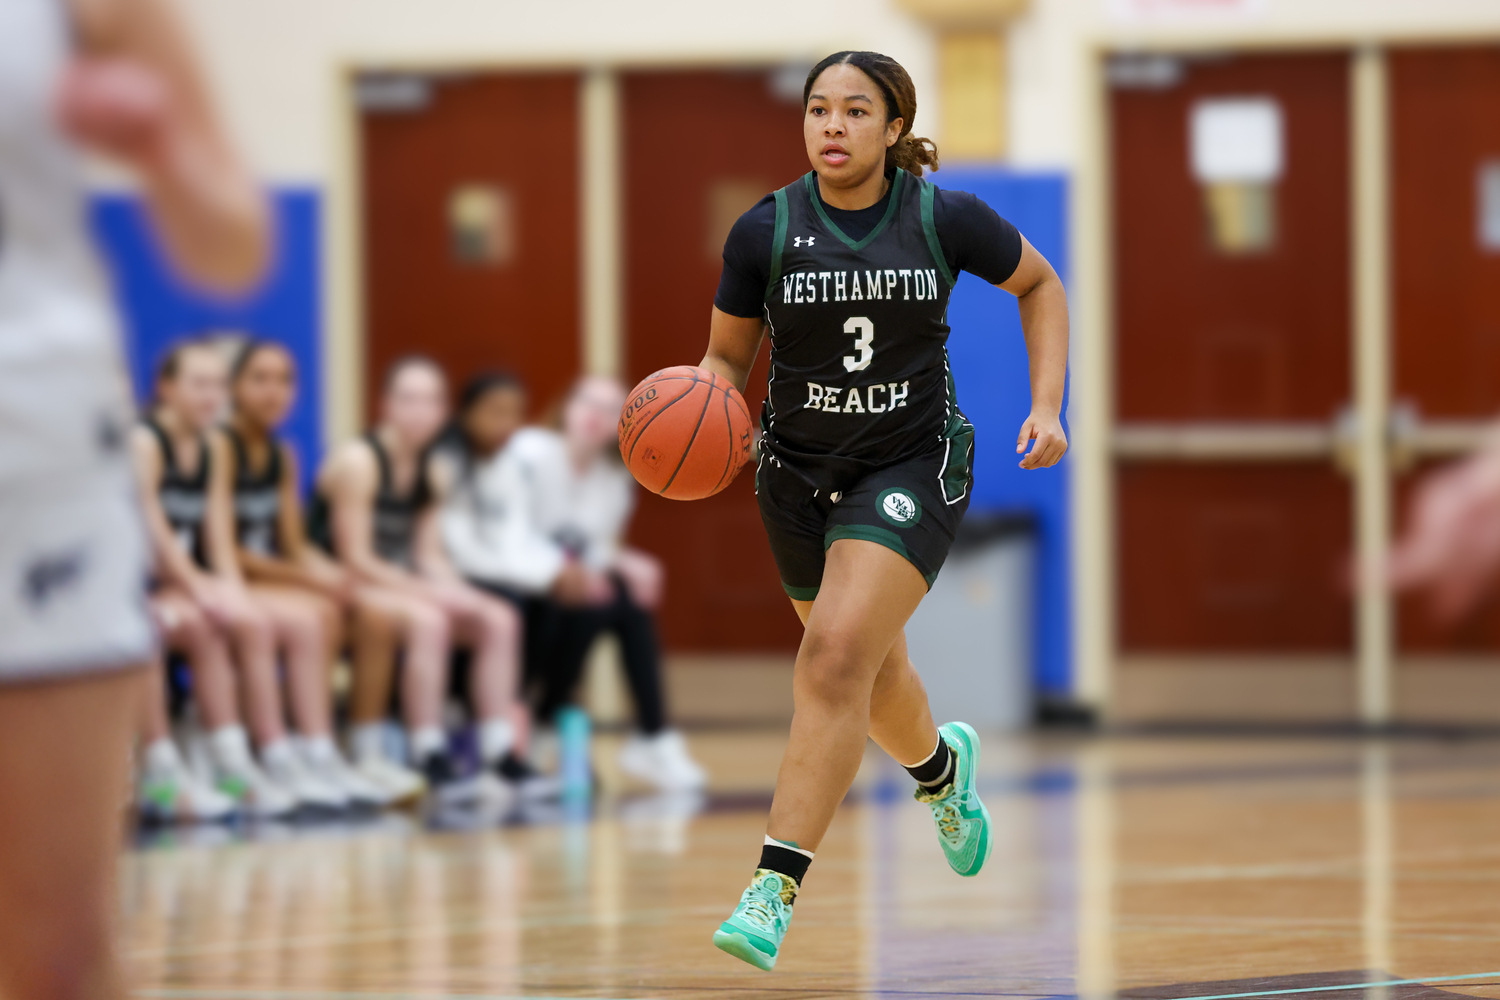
(1451, 546)
(134, 93)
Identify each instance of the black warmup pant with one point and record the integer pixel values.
(557, 641)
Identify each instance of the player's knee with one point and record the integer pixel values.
(188, 628)
(428, 626)
(830, 669)
(307, 628)
(500, 621)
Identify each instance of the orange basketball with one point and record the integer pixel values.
(685, 433)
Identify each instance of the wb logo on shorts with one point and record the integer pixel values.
(899, 508)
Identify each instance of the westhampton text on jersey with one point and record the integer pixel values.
(810, 287)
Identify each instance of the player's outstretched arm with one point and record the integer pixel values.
(733, 343)
(1044, 322)
(135, 94)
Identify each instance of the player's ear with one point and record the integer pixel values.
(893, 130)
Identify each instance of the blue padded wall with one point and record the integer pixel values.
(158, 308)
(988, 357)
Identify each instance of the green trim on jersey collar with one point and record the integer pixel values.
(929, 227)
(810, 182)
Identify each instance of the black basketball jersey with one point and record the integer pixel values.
(184, 498)
(859, 363)
(257, 498)
(395, 514)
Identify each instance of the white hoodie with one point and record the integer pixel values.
(517, 518)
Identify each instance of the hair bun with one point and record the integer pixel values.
(913, 153)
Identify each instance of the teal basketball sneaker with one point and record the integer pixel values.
(963, 823)
(754, 931)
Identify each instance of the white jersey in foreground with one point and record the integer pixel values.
(72, 553)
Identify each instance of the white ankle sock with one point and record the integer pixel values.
(496, 738)
(426, 741)
(367, 741)
(318, 749)
(229, 746)
(773, 842)
(278, 753)
(161, 755)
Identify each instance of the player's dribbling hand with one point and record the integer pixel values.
(1051, 442)
(117, 107)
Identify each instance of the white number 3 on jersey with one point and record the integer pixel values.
(865, 345)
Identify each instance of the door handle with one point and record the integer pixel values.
(1409, 438)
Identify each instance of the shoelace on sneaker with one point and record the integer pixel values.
(946, 806)
(759, 904)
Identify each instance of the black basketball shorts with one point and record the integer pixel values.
(912, 508)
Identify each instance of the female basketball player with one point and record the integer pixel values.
(305, 593)
(377, 498)
(865, 463)
(186, 473)
(115, 76)
(538, 517)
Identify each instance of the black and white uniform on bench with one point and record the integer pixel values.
(257, 498)
(183, 495)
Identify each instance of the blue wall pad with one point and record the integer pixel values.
(158, 308)
(988, 357)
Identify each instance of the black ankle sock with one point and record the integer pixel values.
(784, 861)
(936, 771)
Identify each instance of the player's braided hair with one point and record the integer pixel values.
(908, 152)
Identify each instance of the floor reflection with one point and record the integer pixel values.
(1128, 867)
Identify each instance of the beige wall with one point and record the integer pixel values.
(275, 62)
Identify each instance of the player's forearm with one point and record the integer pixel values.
(733, 343)
(267, 569)
(735, 372)
(1044, 322)
(376, 571)
(211, 217)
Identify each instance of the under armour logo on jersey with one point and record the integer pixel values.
(797, 241)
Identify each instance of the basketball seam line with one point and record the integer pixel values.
(728, 459)
(696, 427)
(635, 438)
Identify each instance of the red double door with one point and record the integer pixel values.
(1233, 339)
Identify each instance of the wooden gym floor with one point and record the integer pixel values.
(1133, 867)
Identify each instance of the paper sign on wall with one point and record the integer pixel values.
(1237, 140)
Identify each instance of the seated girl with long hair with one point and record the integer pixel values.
(377, 498)
(538, 516)
(298, 585)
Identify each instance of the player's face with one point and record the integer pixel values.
(845, 126)
(491, 421)
(592, 417)
(416, 404)
(199, 392)
(266, 388)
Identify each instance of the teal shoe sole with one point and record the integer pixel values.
(964, 733)
(734, 942)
